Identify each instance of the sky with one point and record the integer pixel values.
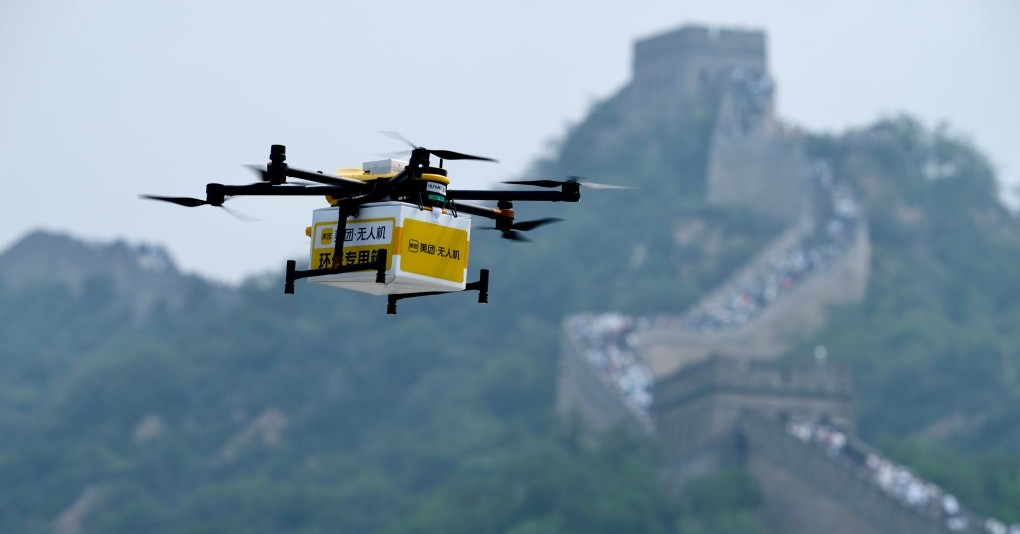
(103, 100)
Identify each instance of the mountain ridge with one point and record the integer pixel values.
(145, 275)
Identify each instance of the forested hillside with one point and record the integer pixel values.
(297, 414)
(319, 413)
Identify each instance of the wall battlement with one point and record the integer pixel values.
(692, 46)
(701, 38)
(698, 409)
(686, 66)
(718, 375)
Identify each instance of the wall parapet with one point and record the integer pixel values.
(795, 471)
(718, 375)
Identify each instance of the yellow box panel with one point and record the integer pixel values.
(434, 250)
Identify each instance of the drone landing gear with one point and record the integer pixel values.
(379, 265)
(481, 286)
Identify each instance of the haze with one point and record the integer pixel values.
(101, 101)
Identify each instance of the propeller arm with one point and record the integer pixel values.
(312, 176)
(572, 185)
(318, 177)
(500, 216)
(505, 220)
(219, 191)
(277, 171)
(564, 195)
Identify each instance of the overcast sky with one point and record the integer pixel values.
(103, 100)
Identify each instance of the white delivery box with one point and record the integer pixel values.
(426, 250)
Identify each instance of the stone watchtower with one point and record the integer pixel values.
(753, 162)
(685, 68)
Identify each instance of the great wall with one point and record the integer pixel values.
(708, 382)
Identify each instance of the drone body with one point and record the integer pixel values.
(392, 228)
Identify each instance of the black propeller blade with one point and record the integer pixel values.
(442, 154)
(514, 235)
(311, 176)
(514, 232)
(187, 202)
(573, 180)
(449, 154)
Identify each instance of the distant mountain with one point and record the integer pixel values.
(304, 413)
(141, 276)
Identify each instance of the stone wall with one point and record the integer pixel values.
(764, 174)
(808, 491)
(697, 409)
(804, 309)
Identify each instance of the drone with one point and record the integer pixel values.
(393, 227)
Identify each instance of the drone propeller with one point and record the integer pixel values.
(573, 180)
(441, 154)
(189, 202)
(514, 232)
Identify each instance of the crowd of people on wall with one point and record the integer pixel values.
(606, 343)
(752, 99)
(830, 238)
(896, 480)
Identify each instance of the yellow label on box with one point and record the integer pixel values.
(433, 250)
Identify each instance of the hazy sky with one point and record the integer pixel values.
(103, 100)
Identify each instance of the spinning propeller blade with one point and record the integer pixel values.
(259, 170)
(396, 135)
(241, 216)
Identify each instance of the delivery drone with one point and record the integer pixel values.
(393, 227)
